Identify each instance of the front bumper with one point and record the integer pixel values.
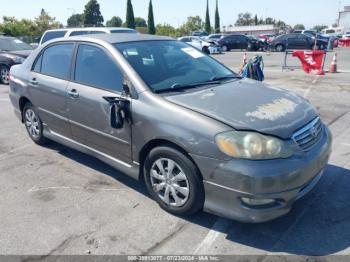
(215, 50)
(284, 180)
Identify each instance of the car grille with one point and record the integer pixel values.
(309, 135)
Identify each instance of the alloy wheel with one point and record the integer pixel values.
(4, 73)
(169, 182)
(32, 124)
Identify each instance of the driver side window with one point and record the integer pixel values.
(95, 67)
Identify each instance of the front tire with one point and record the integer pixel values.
(33, 124)
(4, 73)
(206, 51)
(173, 181)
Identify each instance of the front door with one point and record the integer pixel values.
(48, 86)
(97, 76)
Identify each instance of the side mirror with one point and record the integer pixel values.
(118, 108)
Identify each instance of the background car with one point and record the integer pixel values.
(346, 35)
(12, 51)
(67, 32)
(267, 37)
(296, 41)
(200, 33)
(213, 37)
(261, 44)
(207, 47)
(230, 42)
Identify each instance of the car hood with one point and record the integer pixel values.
(250, 105)
(21, 53)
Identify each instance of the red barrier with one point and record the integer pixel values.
(311, 61)
(344, 42)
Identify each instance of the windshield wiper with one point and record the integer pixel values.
(219, 78)
(181, 87)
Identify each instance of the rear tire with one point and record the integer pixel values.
(225, 48)
(280, 48)
(4, 73)
(173, 181)
(33, 124)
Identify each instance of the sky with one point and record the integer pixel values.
(175, 12)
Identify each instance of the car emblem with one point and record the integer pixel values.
(313, 132)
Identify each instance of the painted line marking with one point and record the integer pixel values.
(219, 226)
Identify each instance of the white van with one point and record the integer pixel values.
(67, 32)
(335, 31)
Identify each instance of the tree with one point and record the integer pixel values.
(130, 18)
(299, 27)
(193, 23)
(75, 20)
(45, 22)
(151, 28)
(13, 27)
(217, 18)
(207, 26)
(92, 14)
(244, 19)
(256, 20)
(115, 21)
(166, 30)
(270, 21)
(319, 28)
(140, 22)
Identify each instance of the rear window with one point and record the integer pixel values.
(52, 35)
(76, 33)
(123, 31)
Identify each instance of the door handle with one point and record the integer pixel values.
(73, 94)
(34, 82)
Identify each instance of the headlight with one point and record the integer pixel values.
(16, 59)
(251, 145)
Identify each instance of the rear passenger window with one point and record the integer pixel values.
(75, 33)
(94, 67)
(52, 35)
(56, 60)
(37, 65)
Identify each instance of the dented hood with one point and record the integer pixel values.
(250, 105)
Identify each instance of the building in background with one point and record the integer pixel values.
(344, 19)
(252, 29)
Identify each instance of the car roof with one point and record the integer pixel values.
(103, 29)
(116, 38)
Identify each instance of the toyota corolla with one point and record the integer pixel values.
(158, 110)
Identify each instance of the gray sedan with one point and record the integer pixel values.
(161, 111)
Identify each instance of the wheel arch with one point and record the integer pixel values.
(158, 143)
(22, 102)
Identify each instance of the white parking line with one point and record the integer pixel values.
(220, 226)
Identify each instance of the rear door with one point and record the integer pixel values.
(48, 83)
(292, 41)
(96, 76)
(304, 42)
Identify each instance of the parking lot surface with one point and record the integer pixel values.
(54, 200)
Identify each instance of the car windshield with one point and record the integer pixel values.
(167, 65)
(13, 44)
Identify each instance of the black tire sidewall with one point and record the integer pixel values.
(41, 139)
(277, 48)
(8, 70)
(196, 195)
